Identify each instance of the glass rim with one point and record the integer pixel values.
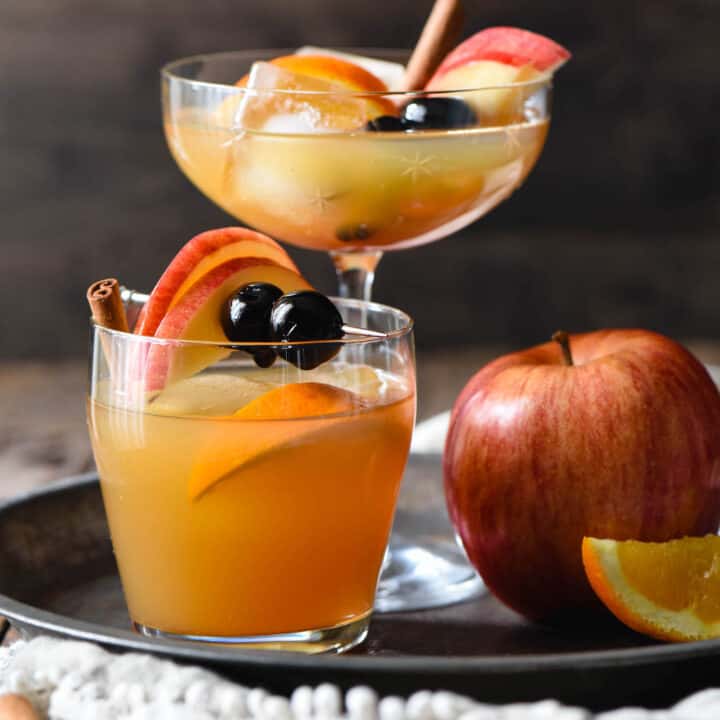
(391, 335)
(169, 71)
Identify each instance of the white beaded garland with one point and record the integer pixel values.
(275, 708)
(449, 706)
(229, 701)
(482, 712)
(327, 701)
(198, 694)
(301, 702)
(392, 708)
(77, 681)
(699, 706)
(419, 706)
(135, 695)
(254, 701)
(361, 703)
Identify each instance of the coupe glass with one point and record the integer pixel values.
(231, 525)
(300, 166)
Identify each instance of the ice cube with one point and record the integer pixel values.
(366, 381)
(281, 373)
(391, 73)
(212, 394)
(304, 104)
(289, 124)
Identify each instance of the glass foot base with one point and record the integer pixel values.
(335, 639)
(425, 573)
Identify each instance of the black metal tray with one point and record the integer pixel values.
(58, 576)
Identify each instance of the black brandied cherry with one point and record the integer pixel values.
(246, 318)
(348, 233)
(306, 315)
(385, 123)
(437, 113)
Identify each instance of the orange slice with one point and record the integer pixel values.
(668, 590)
(327, 67)
(337, 98)
(288, 414)
(298, 400)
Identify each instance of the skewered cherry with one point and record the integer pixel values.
(306, 315)
(246, 318)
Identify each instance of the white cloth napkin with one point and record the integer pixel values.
(67, 680)
(429, 435)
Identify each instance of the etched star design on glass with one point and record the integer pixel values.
(418, 165)
(321, 201)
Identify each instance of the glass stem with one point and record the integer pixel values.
(355, 275)
(356, 272)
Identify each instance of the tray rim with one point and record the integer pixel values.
(24, 614)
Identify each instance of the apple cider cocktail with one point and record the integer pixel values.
(250, 436)
(314, 150)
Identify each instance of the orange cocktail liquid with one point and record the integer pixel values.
(338, 190)
(290, 540)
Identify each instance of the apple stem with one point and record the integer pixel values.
(563, 339)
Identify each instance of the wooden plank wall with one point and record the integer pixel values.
(617, 225)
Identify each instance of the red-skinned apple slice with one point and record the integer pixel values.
(196, 258)
(197, 316)
(506, 45)
(495, 57)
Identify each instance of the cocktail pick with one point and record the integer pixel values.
(133, 297)
(350, 330)
(438, 36)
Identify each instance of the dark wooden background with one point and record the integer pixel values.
(616, 226)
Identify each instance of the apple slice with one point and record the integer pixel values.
(197, 316)
(331, 407)
(508, 46)
(495, 57)
(196, 258)
(208, 394)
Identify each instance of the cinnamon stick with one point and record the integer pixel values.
(106, 305)
(441, 30)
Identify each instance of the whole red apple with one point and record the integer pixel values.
(613, 434)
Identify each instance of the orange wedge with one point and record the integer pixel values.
(327, 409)
(668, 590)
(298, 400)
(327, 67)
(339, 73)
